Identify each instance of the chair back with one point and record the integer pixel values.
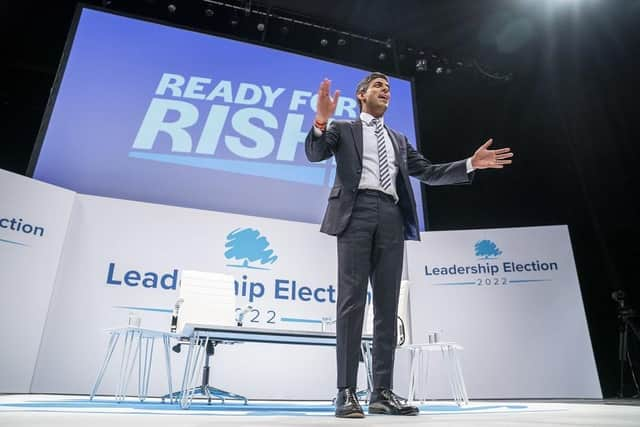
(206, 298)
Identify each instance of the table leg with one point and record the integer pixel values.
(190, 369)
(446, 357)
(167, 349)
(413, 357)
(463, 389)
(365, 348)
(128, 363)
(113, 340)
(144, 370)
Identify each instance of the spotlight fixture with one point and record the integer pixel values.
(421, 64)
(284, 30)
(382, 56)
(341, 42)
(260, 27)
(208, 12)
(234, 20)
(324, 42)
(171, 8)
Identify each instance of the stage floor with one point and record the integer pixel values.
(61, 410)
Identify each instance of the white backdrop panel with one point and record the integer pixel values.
(511, 297)
(33, 223)
(110, 237)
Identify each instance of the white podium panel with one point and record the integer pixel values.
(73, 266)
(511, 297)
(33, 224)
(124, 256)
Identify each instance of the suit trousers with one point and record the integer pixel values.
(371, 247)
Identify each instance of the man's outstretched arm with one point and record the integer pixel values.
(456, 172)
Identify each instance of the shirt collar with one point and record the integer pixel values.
(367, 118)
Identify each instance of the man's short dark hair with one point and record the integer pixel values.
(364, 84)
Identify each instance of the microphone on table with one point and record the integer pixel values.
(174, 316)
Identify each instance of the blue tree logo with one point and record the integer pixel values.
(247, 244)
(487, 249)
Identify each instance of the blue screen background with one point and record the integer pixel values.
(110, 80)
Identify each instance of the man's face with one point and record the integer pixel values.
(375, 100)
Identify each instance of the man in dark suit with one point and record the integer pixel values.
(372, 210)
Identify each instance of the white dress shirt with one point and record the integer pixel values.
(370, 178)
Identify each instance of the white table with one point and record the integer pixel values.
(137, 345)
(198, 335)
(420, 357)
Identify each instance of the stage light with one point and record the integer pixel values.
(382, 56)
(171, 8)
(324, 42)
(234, 20)
(208, 12)
(421, 64)
(284, 30)
(260, 27)
(341, 42)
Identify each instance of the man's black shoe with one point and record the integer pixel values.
(347, 405)
(384, 401)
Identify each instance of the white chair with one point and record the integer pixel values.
(205, 299)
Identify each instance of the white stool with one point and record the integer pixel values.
(419, 354)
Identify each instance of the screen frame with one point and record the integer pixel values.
(61, 69)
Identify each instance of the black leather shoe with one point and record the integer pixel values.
(347, 405)
(384, 401)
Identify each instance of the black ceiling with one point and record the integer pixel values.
(496, 33)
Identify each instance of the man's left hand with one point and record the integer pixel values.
(484, 158)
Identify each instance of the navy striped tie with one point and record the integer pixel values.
(383, 159)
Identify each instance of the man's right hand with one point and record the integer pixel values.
(326, 105)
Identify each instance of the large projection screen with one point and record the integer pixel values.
(149, 112)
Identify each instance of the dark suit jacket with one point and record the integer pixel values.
(343, 139)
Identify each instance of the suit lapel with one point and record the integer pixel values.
(356, 130)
